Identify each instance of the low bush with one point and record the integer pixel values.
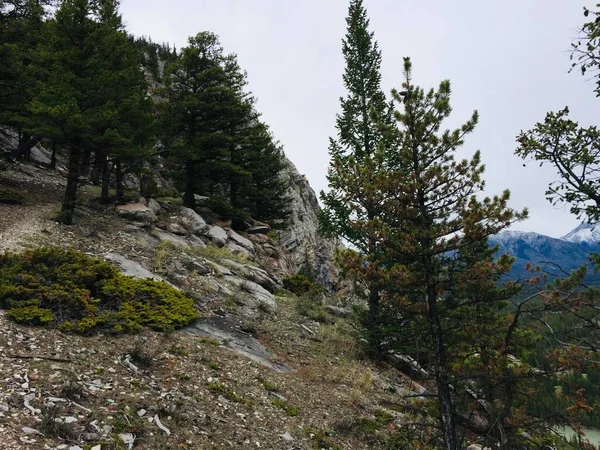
(77, 293)
(11, 196)
(301, 285)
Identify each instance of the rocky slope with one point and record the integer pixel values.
(301, 239)
(257, 370)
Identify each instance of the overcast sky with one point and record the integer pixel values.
(508, 59)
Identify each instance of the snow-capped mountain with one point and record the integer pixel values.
(586, 232)
(555, 255)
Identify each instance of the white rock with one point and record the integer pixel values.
(240, 240)
(285, 436)
(217, 234)
(192, 221)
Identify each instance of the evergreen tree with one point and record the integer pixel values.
(435, 273)
(91, 89)
(194, 113)
(21, 29)
(349, 211)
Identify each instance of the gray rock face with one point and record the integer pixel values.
(217, 234)
(137, 212)
(154, 206)
(240, 240)
(131, 268)
(193, 222)
(301, 239)
(255, 274)
(229, 334)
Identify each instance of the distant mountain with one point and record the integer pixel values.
(567, 253)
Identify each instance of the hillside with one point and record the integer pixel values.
(259, 369)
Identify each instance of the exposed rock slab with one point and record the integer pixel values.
(217, 234)
(193, 222)
(131, 268)
(241, 240)
(227, 332)
(136, 211)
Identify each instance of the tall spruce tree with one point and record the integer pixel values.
(435, 271)
(91, 88)
(361, 127)
(194, 113)
(21, 29)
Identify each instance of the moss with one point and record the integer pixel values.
(290, 411)
(11, 196)
(78, 293)
(269, 386)
(228, 394)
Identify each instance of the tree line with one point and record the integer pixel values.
(72, 78)
(417, 223)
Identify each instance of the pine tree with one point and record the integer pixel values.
(92, 87)
(436, 269)
(21, 29)
(361, 127)
(194, 111)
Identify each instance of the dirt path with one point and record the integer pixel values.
(19, 223)
(42, 191)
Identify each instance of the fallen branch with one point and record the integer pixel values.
(49, 358)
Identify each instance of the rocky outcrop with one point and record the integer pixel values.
(300, 239)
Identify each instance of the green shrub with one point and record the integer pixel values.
(300, 285)
(78, 293)
(11, 196)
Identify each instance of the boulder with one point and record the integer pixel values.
(254, 274)
(131, 268)
(136, 212)
(240, 240)
(207, 214)
(164, 236)
(259, 229)
(219, 269)
(175, 228)
(154, 206)
(258, 294)
(217, 234)
(239, 224)
(239, 250)
(201, 200)
(192, 221)
(337, 311)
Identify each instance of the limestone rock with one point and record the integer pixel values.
(301, 239)
(192, 221)
(154, 206)
(217, 234)
(239, 250)
(136, 212)
(129, 267)
(259, 229)
(175, 228)
(255, 274)
(240, 240)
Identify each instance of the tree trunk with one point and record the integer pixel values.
(447, 418)
(105, 177)
(70, 199)
(85, 163)
(25, 146)
(97, 168)
(188, 197)
(119, 169)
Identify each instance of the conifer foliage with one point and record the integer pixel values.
(351, 207)
(72, 78)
